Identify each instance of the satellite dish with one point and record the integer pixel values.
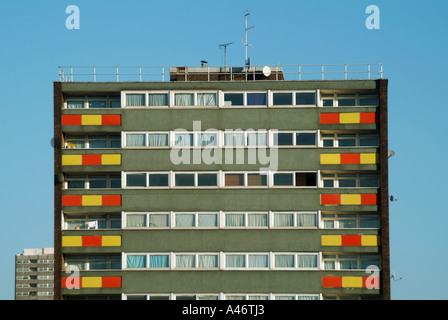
(266, 71)
(390, 153)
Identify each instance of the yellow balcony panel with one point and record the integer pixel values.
(331, 240)
(91, 282)
(369, 158)
(72, 160)
(71, 241)
(332, 158)
(91, 120)
(111, 241)
(350, 199)
(370, 240)
(353, 117)
(351, 282)
(111, 159)
(91, 200)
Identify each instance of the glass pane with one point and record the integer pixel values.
(347, 183)
(75, 184)
(348, 264)
(115, 103)
(257, 139)
(159, 298)
(207, 180)
(158, 220)
(328, 184)
(158, 139)
(185, 261)
(75, 104)
(329, 224)
(234, 179)
(307, 261)
(283, 220)
(368, 181)
(158, 261)
(282, 99)
(183, 139)
(306, 220)
(256, 99)
(347, 223)
(257, 220)
(158, 99)
(184, 180)
(158, 180)
(233, 99)
(135, 140)
(207, 220)
(135, 100)
(234, 139)
(283, 179)
(306, 179)
(136, 220)
(306, 139)
(284, 261)
(207, 99)
(185, 220)
(370, 222)
(207, 261)
(98, 144)
(306, 98)
(98, 265)
(368, 140)
(255, 179)
(184, 99)
(283, 139)
(136, 261)
(327, 103)
(258, 261)
(97, 104)
(207, 139)
(347, 142)
(235, 220)
(136, 180)
(235, 261)
(97, 184)
(328, 143)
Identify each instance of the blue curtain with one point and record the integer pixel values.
(136, 261)
(158, 261)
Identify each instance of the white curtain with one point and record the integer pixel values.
(206, 99)
(136, 220)
(158, 99)
(135, 99)
(257, 139)
(234, 220)
(185, 261)
(135, 140)
(158, 139)
(158, 220)
(208, 139)
(235, 261)
(306, 220)
(283, 220)
(284, 261)
(207, 261)
(75, 104)
(234, 139)
(185, 220)
(184, 99)
(307, 298)
(258, 220)
(258, 261)
(284, 298)
(307, 261)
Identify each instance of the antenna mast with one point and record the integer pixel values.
(245, 30)
(225, 45)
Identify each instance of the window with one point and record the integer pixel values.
(234, 179)
(136, 180)
(135, 140)
(306, 138)
(207, 99)
(257, 139)
(135, 100)
(104, 181)
(306, 179)
(349, 99)
(350, 180)
(184, 99)
(158, 261)
(283, 179)
(305, 98)
(296, 220)
(183, 139)
(158, 99)
(159, 220)
(93, 102)
(234, 99)
(92, 141)
(350, 261)
(350, 220)
(234, 139)
(82, 222)
(196, 179)
(283, 139)
(158, 139)
(158, 180)
(256, 99)
(282, 99)
(94, 262)
(207, 179)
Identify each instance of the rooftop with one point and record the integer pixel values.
(202, 73)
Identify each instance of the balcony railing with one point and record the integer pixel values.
(232, 73)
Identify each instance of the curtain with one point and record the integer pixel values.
(258, 261)
(307, 261)
(284, 298)
(158, 220)
(158, 139)
(257, 139)
(207, 261)
(348, 264)
(256, 99)
(135, 140)
(185, 261)
(75, 104)
(234, 220)
(136, 220)
(329, 265)
(284, 261)
(258, 220)
(158, 99)
(136, 261)
(207, 99)
(183, 139)
(158, 261)
(208, 139)
(207, 297)
(307, 298)
(283, 220)
(234, 139)
(235, 261)
(135, 100)
(306, 220)
(207, 220)
(257, 298)
(185, 220)
(184, 99)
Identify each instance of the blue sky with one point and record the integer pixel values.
(411, 44)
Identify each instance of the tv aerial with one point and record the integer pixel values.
(247, 60)
(225, 45)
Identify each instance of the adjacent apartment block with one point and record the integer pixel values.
(34, 274)
(221, 183)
